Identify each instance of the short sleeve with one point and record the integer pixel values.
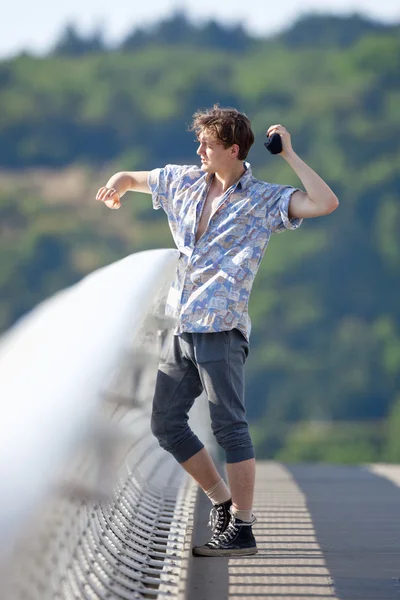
(278, 209)
(164, 184)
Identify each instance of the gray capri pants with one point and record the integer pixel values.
(189, 363)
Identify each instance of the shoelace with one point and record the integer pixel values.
(233, 528)
(230, 532)
(216, 519)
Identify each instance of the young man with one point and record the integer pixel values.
(221, 219)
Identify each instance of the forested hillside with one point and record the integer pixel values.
(324, 370)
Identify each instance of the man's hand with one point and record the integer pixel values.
(109, 196)
(285, 137)
(120, 183)
(318, 199)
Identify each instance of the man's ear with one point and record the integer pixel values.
(235, 150)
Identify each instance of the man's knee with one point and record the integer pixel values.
(235, 439)
(232, 437)
(159, 430)
(157, 426)
(178, 440)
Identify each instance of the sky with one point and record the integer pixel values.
(34, 26)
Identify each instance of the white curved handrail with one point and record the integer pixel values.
(54, 365)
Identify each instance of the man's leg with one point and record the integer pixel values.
(241, 476)
(220, 358)
(178, 384)
(202, 468)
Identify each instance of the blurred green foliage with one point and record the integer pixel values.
(324, 369)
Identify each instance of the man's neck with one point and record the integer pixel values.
(224, 180)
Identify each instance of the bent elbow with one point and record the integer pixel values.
(332, 204)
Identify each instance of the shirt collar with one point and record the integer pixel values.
(245, 178)
(243, 181)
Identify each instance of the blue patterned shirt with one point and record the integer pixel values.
(215, 274)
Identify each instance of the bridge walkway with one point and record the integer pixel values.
(323, 532)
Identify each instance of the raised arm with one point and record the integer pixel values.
(119, 184)
(318, 199)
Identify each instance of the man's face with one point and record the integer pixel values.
(214, 156)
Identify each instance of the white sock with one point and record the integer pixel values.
(243, 515)
(219, 492)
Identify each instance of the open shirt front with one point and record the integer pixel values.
(215, 274)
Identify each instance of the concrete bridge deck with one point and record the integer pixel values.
(323, 531)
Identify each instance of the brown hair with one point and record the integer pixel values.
(227, 125)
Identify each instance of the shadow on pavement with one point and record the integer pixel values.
(356, 519)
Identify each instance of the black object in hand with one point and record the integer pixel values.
(274, 144)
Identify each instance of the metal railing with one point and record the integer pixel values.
(90, 506)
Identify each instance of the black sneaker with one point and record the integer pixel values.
(220, 516)
(236, 540)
